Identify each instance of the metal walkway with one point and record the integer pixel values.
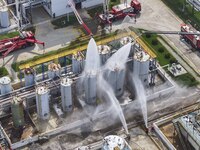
(84, 47)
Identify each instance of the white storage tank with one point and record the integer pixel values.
(115, 77)
(141, 66)
(78, 62)
(105, 53)
(29, 75)
(114, 142)
(66, 94)
(90, 86)
(4, 17)
(42, 102)
(54, 70)
(126, 40)
(5, 85)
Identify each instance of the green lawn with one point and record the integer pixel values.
(187, 79)
(8, 35)
(96, 10)
(15, 66)
(163, 56)
(62, 21)
(113, 3)
(187, 14)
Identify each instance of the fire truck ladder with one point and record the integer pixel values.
(71, 4)
(171, 32)
(9, 50)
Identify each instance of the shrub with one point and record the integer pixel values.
(39, 69)
(161, 50)
(167, 56)
(154, 42)
(3, 71)
(148, 35)
(173, 61)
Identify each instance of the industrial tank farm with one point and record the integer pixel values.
(106, 75)
(49, 105)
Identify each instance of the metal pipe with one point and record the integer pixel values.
(163, 138)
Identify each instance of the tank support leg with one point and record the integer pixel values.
(20, 76)
(42, 71)
(153, 73)
(65, 63)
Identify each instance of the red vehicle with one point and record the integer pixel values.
(26, 38)
(192, 39)
(120, 11)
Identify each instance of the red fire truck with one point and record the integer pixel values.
(26, 38)
(192, 39)
(119, 11)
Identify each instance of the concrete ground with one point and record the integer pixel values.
(54, 39)
(155, 15)
(140, 140)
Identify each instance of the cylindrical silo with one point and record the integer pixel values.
(115, 77)
(5, 85)
(4, 17)
(54, 70)
(77, 63)
(126, 40)
(114, 142)
(17, 110)
(105, 53)
(42, 102)
(66, 94)
(29, 75)
(90, 86)
(141, 66)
